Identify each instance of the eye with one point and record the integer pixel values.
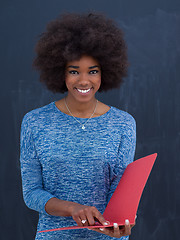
(93, 71)
(73, 72)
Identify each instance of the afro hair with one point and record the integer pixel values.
(72, 35)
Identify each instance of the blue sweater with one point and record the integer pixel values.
(60, 159)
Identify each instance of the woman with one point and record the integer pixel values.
(75, 150)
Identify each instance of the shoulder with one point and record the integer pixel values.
(122, 118)
(37, 115)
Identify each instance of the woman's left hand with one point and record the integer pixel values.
(116, 231)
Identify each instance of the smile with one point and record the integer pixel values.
(83, 90)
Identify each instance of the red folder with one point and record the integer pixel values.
(125, 199)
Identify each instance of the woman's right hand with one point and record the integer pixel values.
(86, 215)
(78, 212)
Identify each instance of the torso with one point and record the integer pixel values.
(77, 165)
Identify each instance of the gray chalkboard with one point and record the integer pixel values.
(151, 93)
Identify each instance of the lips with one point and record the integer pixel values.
(83, 91)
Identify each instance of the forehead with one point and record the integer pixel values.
(84, 61)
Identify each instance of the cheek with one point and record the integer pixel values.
(99, 82)
(68, 81)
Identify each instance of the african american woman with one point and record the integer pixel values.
(75, 150)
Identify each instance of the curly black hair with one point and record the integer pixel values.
(72, 35)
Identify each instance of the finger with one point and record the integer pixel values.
(132, 225)
(127, 228)
(84, 220)
(90, 218)
(100, 217)
(103, 230)
(109, 231)
(100, 230)
(78, 221)
(117, 231)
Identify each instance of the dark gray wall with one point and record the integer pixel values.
(151, 93)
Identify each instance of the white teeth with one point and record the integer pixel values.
(83, 91)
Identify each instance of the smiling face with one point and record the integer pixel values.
(83, 79)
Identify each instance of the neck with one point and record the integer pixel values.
(81, 109)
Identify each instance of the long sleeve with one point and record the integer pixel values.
(34, 195)
(60, 159)
(125, 155)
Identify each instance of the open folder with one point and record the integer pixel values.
(125, 199)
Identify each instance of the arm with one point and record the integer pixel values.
(78, 212)
(35, 196)
(125, 156)
(126, 153)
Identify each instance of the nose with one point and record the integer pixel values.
(83, 79)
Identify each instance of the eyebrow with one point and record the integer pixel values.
(71, 66)
(96, 66)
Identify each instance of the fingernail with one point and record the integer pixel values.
(127, 222)
(101, 229)
(106, 223)
(115, 225)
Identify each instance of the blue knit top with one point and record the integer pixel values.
(60, 159)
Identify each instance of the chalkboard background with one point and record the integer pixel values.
(151, 93)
